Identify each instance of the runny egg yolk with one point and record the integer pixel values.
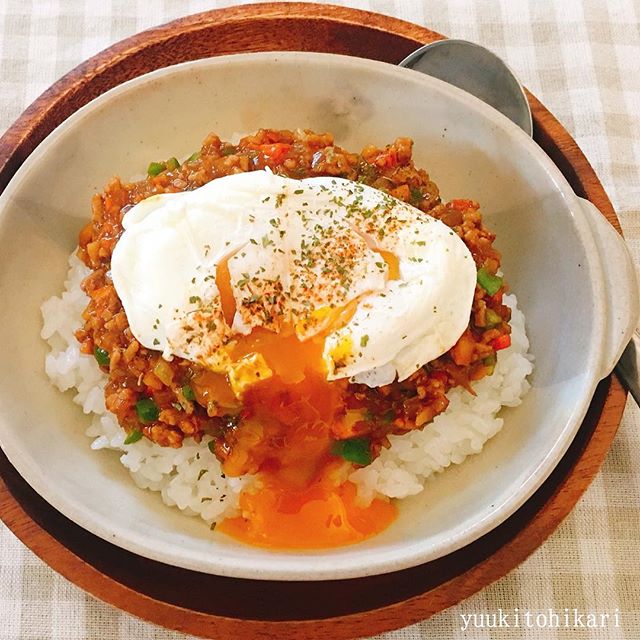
(393, 264)
(223, 282)
(315, 517)
(301, 500)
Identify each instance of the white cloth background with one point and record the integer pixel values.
(582, 59)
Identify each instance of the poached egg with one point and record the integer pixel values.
(384, 286)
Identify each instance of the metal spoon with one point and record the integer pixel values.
(478, 71)
(482, 73)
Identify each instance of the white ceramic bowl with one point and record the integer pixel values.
(568, 267)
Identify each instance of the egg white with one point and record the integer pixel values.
(295, 249)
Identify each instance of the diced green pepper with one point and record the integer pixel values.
(356, 450)
(492, 318)
(416, 196)
(172, 163)
(488, 281)
(147, 410)
(156, 168)
(490, 362)
(102, 356)
(133, 436)
(187, 392)
(194, 156)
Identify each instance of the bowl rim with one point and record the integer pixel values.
(316, 568)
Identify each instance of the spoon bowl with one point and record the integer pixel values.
(478, 71)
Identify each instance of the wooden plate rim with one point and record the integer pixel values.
(126, 59)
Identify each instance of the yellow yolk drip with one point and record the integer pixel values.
(315, 517)
(285, 436)
(392, 263)
(223, 282)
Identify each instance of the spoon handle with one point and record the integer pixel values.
(628, 367)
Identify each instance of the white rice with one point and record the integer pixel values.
(191, 477)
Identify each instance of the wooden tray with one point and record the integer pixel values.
(218, 607)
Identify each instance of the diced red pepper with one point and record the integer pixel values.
(497, 298)
(387, 159)
(463, 205)
(274, 153)
(501, 342)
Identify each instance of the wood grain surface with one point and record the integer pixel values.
(217, 607)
